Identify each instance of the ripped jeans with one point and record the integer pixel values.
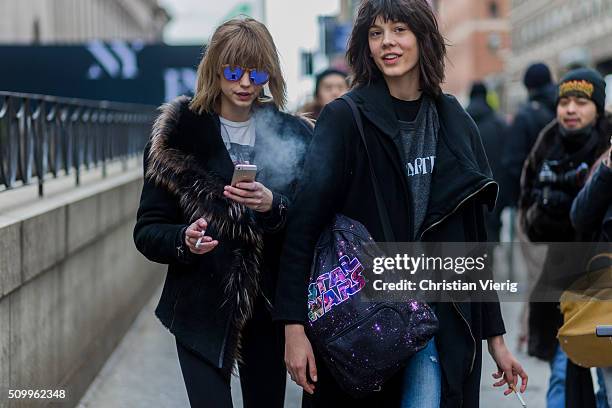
(422, 386)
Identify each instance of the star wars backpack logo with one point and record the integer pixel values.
(333, 288)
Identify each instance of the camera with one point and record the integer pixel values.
(557, 185)
(553, 175)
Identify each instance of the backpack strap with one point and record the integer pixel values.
(382, 209)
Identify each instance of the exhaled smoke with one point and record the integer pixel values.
(280, 149)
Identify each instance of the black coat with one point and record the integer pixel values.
(494, 133)
(336, 180)
(529, 121)
(207, 298)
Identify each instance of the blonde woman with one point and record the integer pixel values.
(222, 242)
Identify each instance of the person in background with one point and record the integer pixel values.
(329, 85)
(222, 242)
(531, 118)
(494, 133)
(592, 214)
(552, 177)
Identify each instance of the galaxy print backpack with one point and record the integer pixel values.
(363, 343)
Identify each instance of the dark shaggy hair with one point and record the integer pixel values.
(420, 18)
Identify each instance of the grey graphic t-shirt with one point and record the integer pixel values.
(239, 139)
(416, 142)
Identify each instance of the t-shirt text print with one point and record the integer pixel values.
(420, 165)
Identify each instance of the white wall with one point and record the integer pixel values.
(294, 26)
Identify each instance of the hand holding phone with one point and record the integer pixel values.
(244, 173)
(246, 191)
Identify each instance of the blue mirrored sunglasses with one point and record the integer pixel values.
(234, 73)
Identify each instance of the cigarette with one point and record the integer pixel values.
(199, 241)
(522, 401)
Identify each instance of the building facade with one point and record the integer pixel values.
(77, 21)
(478, 35)
(562, 33)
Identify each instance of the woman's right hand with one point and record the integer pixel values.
(196, 232)
(299, 357)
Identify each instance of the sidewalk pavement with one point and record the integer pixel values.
(143, 371)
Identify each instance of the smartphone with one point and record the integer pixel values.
(244, 172)
(604, 331)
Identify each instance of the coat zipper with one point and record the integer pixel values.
(455, 209)
(454, 304)
(471, 335)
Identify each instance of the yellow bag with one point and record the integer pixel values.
(586, 305)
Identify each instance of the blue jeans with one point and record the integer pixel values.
(606, 376)
(423, 379)
(604, 395)
(555, 396)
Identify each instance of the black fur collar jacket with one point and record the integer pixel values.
(208, 298)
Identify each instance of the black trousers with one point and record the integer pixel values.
(262, 370)
(579, 387)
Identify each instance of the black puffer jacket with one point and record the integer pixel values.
(207, 298)
(529, 121)
(336, 180)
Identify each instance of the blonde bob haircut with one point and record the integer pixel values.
(239, 42)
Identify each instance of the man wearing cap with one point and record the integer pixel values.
(530, 119)
(553, 174)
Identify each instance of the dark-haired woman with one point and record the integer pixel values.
(222, 242)
(397, 55)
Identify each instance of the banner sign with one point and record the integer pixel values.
(115, 71)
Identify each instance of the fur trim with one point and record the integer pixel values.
(200, 194)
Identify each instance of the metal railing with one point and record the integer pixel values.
(45, 136)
